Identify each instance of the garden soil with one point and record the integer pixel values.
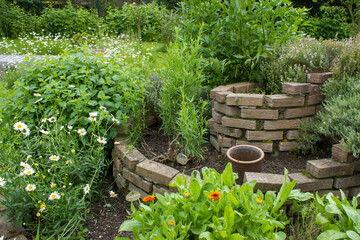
(107, 215)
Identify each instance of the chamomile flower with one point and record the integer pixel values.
(54, 158)
(27, 171)
(93, 119)
(44, 132)
(52, 119)
(25, 164)
(93, 114)
(27, 157)
(19, 126)
(117, 142)
(44, 120)
(38, 100)
(68, 162)
(101, 140)
(115, 120)
(30, 187)
(26, 131)
(112, 194)
(81, 132)
(54, 195)
(53, 185)
(42, 207)
(102, 108)
(70, 127)
(87, 189)
(2, 182)
(37, 94)
(71, 86)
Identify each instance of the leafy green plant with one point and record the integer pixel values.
(48, 173)
(212, 207)
(339, 219)
(79, 83)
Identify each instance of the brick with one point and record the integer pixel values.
(121, 182)
(266, 147)
(336, 193)
(143, 194)
(292, 134)
(174, 189)
(242, 87)
(340, 154)
(242, 99)
(315, 89)
(259, 113)
(157, 172)
(288, 146)
(217, 116)
(318, 108)
(215, 143)
(354, 191)
(120, 151)
(210, 123)
(296, 88)
(239, 123)
(132, 158)
(265, 181)
(224, 150)
(318, 77)
(123, 129)
(138, 181)
(9, 229)
(283, 100)
(232, 132)
(356, 165)
(220, 89)
(221, 96)
(314, 99)
(117, 166)
(299, 112)
(325, 168)
(307, 184)
(225, 141)
(345, 182)
(264, 135)
(160, 190)
(225, 109)
(282, 124)
(115, 171)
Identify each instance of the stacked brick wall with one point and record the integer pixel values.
(270, 122)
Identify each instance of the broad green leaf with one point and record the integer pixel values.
(332, 235)
(198, 229)
(194, 189)
(353, 235)
(229, 218)
(321, 220)
(130, 225)
(235, 236)
(228, 176)
(333, 209)
(207, 236)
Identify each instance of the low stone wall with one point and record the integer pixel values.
(270, 122)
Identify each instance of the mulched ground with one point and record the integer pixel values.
(106, 219)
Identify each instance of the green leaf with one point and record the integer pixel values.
(353, 235)
(198, 229)
(235, 236)
(130, 225)
(207, 236)
(333, 209)
(321, 220)
(332, 235)
(228, 176)
(194, 189)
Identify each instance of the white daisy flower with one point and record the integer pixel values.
(116, 142)
(61, 128)
(2, 182)
(38, 100)
(27, 171)
(81, 132)
(44, 132)
(102, 108)
(27, 157)
(30, 187)
(54, 158)
(115, 120)
(68, 161)
(42, 207)
(25, 164)
(101, 140)
(53, 185)
(26, 131)
(71, 86)
(70, 127)
(112, 194)
(52, 119)
(93, 119)
(87, 189)
(93, 114)
(37, 94)
(20, 126)
(54, 195)
(44, 120)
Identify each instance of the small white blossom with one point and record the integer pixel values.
(102, 108)
(112, 194)
(2, 182)
(54, 158)
(87, 189)
(52, 119)
(101, 140)
(19, 126)
(81, 132)
(93, 114)
(38, 100)
(37, 94)
(44, 132)
(30, 187)
(54, 195)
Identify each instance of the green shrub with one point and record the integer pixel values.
(79, 83)
(49, 173)
(14, 21)
(239, 34)
(147, 22)
(69, 21)
(211, 206)
(347, 62)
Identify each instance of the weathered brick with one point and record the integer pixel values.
(292, 134)
(265, 181)
(282, 124)
(299, 112)
(354, 191)
(264, 135)
(266, 147)
(142, 192)
(318, 108)
(115, 171)
(211, 122)
(283, 100)
(214, 142)
(340, 154)
(242, 87)
(217, 116)
(232, 132)
(121, 182)
(296, 88)
(160, 190)
(288, 146)
(259, 113)
(117, 165)
(132, 158)
(315, 89)
(345, 182)
(138, 181)
(336, 193)
(225, 141)
(314, 99)
(225, 109)
(221, 96)
(157, 172)
(120, 151)
(239, 123)
(174, 189)
(325, 168)
(356, 165)
(318, 77)
(220, 89)
(242, 99)
(307, 184)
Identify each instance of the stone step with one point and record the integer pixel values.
(308, 184)
(325, 168)
(265, 181)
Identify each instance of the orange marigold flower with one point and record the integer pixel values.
(171, 222)
(214, 195)
(259, 200)
(187, 194)
(149, 198)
